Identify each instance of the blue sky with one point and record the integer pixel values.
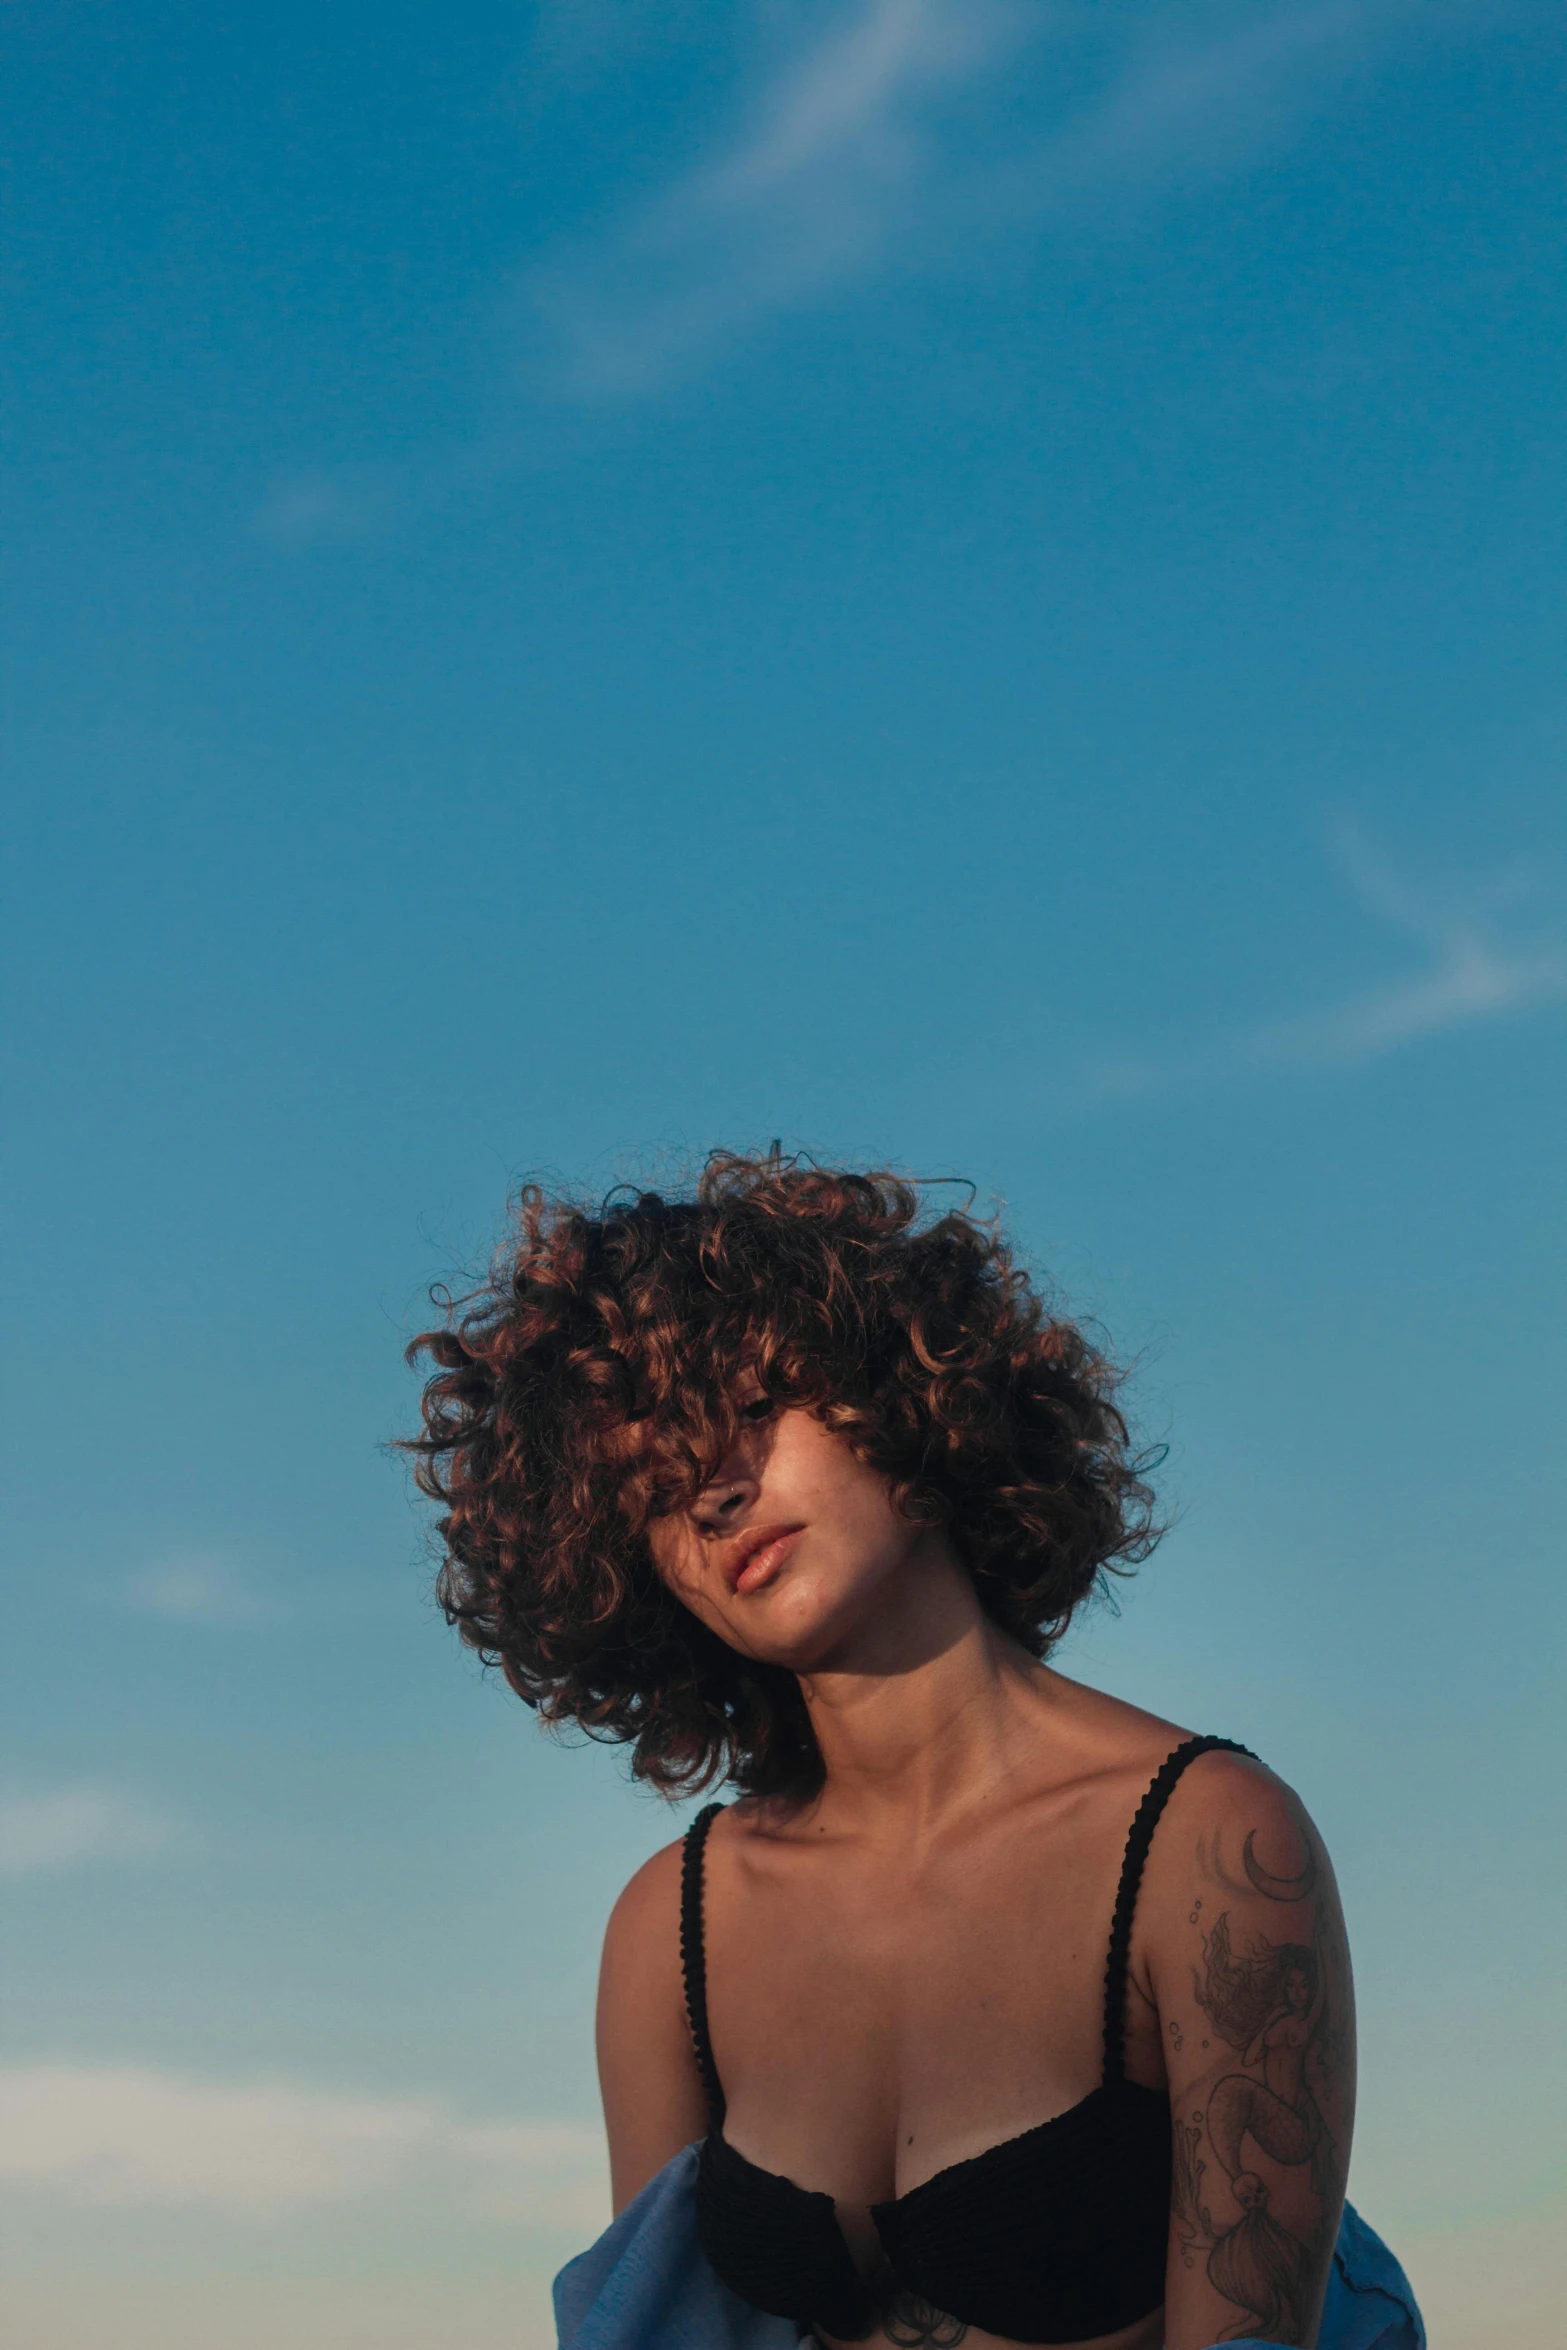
(977, 585)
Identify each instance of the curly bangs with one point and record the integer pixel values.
(590, 1386)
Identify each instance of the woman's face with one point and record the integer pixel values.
(793, 1546)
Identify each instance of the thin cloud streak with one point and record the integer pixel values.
(46, 1829)
(1470, 978)
(138, 2136)
(809, 195)
(1475, 982)
(1207, 100)
(844, 167)
(848, 164)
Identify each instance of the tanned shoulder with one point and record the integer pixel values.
(648, 2077)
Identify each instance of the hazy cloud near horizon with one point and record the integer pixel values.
(137, 2135)
(54, 1828)
(197, 1586)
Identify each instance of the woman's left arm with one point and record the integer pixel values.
(1248, 1965)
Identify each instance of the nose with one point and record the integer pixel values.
(720, 1506)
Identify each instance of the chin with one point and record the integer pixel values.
(802, 1629)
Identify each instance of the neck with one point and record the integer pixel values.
(924, 1710)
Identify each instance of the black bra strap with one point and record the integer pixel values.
(693, 1954)
(1137, 1843)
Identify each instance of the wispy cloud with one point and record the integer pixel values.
(849, 159)
(1471, 973)
(1203, 94)
(829, 164)
(50, 1828)
(259, 2150)
(321, 507)
(200, 1587)
(1475, 966)
(881, 135)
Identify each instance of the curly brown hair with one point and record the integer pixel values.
(590, 1385)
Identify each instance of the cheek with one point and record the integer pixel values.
(676, 1554)
(685, 1565)
(864, 1509)
(822, 1470)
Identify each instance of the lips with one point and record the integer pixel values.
(756, 1557)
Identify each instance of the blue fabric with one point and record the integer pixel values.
(1369, 2305)
(646, 2285)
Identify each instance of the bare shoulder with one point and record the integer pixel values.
(653, 2102)
(642, 2001)
(641, 1981)
(644, 1925)
(1243, 1830)
(647, 1910)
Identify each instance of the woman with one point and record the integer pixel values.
(987, 1996)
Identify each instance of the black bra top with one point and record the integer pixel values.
(1058, 2235)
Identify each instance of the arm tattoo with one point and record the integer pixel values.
(1269, 2002)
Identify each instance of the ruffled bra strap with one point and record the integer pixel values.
(1137, 1843)
(693, 1954)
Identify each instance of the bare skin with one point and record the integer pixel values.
(909, 1967)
